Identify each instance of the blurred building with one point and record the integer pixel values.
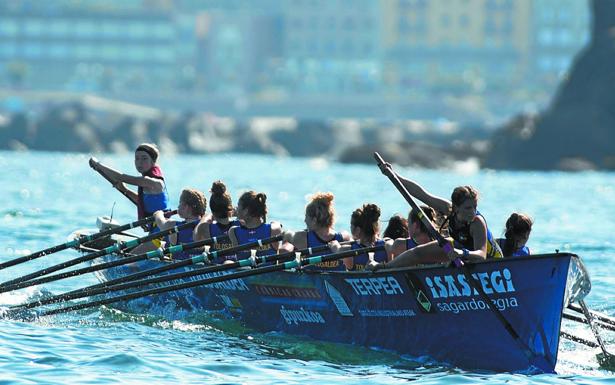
(560, 29)
(332, 46)
(456, 46)
(276, 50)
(88, 48)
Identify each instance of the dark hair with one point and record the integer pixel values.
(397, 227)
(255, 203)
(195, 199)
(151, 150)
(462, 193)
(516, 225)
(220, 202)
(321, 209)
(366, 218)
(413, 217)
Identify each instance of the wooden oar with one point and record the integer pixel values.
(165, 278)
(79, 241)
(130, 198)
(579, 340)
(433, 233)
(111, 249)
(158, 253)
(605, 358)
(205, 257)
(534, 358)
(206, 281)
(599, 316)
(582, 320)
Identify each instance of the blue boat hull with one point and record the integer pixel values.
(416, 311)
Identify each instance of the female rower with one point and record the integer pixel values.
(221, 220)
(397, 227)
(151, 192)
(191, 209)
(252, 214)
(365, 229)
(467, 227)
(319, 219)
(417, 232)
(518, 229)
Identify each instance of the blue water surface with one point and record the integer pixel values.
(46, 196)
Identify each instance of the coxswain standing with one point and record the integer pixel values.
(151, 194)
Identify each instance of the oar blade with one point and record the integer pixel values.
(606, 361)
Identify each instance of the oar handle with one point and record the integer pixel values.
(394, 178)
(92, 161)
(120, 284)
(210, 280)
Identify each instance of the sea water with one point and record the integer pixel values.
(46, 196)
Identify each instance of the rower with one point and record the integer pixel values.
(151, 192)
(319, 219)
(365, 229)
(518, 229)
(191, 209)
(396, 228)
(467, 227)
(417, 232)
(221, 219)
(252, 214)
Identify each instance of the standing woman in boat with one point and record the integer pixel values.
(221, 220)
(417, 232)
(466, 226)
(252, 214)
(151, 194)
(319, 219)
(365, 229)
(518, 229)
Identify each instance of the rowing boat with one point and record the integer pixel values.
(421, 311)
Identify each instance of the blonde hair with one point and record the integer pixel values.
(195, 200)
(321, 209)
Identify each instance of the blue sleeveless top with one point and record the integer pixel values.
(217, 230)
(363, 259)
(245, 235)
(521, 252)
(411, 243)
(185, 235)
(313, 240)
(153, 203)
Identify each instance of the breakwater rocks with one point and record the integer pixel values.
(92, 125)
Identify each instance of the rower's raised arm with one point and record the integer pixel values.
(416, 190)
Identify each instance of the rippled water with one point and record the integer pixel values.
(47, 196)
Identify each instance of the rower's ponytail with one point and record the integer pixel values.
(220, 202)
(517, 225)
(367, 218)
(255, 203)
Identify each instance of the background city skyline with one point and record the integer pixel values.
(463, 60)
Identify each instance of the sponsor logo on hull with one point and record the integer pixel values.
(375, 286)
